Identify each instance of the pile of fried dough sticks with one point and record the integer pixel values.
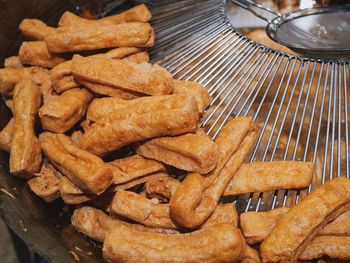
(110, 121)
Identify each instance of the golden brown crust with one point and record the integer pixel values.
(85, 170)
(34, 29)
(35, 53)
(60, 114)
(109, 134)
(197, 197)
(190, 152)
(162, 188)
(143, 78)
(13, 62)
(295, 230)
(269, 176)
(338, 227)
(25, 157)
(138, 57)
(221, 243)
(138, 13)
(69, 39)
(6, 135)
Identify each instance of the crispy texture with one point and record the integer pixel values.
(193, 89)
(138, 57)
(190, 152)
(25, 156)
(162, 189)
(222, 243)
(6, 135)
(295, 230)
(85, 170)
(62, 113)
(46, 183)
(143, 78)
(13, 62)
(224, 213)
(61, 75)
(138, 13)
(95, 223)
(35, 53)
(338, 227)
(269, 176)
(109, 133)
(197, 197)
(35, 29)
(331, 246)
(256, 226)
(69, 39)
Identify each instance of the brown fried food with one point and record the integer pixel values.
(62, 113)
(190, 152)
(110, 133)
(269, 176)
(256, 226)
(6, 135)
(35, 29)
(143, 78)
(35, 53)
(13, 62)
(331, 246)
(295, 230)
(69, 39)
(138, 13)
(162, 188)
(338, 227)
(46, 183)
(95, 224)
(221, 243)
(193, 89)
(84, 169)
(197, 197)
(138, 57)
(25, 157)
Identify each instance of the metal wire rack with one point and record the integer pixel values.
(299, 104)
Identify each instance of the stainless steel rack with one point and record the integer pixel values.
(299, 104)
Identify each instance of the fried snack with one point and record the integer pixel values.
(25, 157)
(224, 213)
(130, 168)
(138, 13)
(13, 62)
(142, 78)
(269, 176)
(69, 39)
(193, 89)
(61, 75)
(6, 135)
(138, 57)
(197, 197)
(221, 243)
(256, 226)
(95, 223)
(110, 133)
(331, 246)
(35, 29)
(76, 136)
(296, 229)
(60, 114)
(161, 189)
(46, 183)
(35, 53)
(338, 227)
(84, 169)
(190, 152)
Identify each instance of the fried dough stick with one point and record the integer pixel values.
(13, 62)
(61, 75)
(85, 170)
(143, 78)
(25, 154)
(110, 133)
(6, 135)
(221, 243)
(197, 197)
(269, 176)
(138, 13)
(190, 152)
(35, 29)
(62, 113)
(70, 39)
(161, 189)
(144, 211)
(295, 230)
(35, 53)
